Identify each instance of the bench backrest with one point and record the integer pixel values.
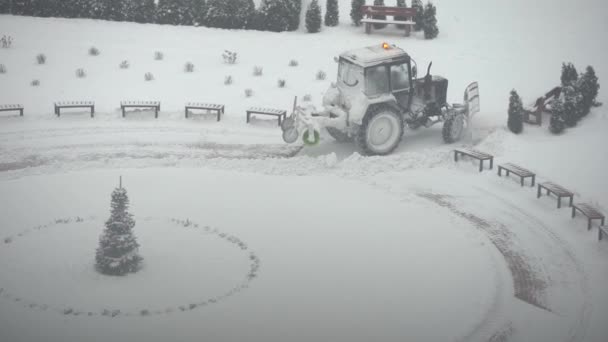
(386, 10)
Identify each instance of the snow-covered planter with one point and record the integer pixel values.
(229, 57)
(93, 51)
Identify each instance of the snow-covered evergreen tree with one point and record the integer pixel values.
(355, 11)
(118, 253)
(169, 12)
(403, 4)
(22, 7)
(418, 18)
(569, 74)
(379, 3)
(332, 14)
(229, 14)
(313, 17)
(556, 124)
(589, 87)
(277, 14)
(141, 11)
(5, 6)
(572, 105)
(515, 121)
(429, 21)
(114, 10)
(295, 8)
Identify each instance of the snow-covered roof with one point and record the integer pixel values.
(374, 54)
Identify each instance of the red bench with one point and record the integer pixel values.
(369, 12)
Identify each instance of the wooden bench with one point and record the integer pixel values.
(590, 212)
(11, 108)
(557, 190)
(481, 156)
(140, 104)
(74, 104)
(218, 108)
(281, 114)
(540, 106)
(518, 171)
(369, 12)
(603, 230)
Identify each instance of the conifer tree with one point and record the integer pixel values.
(382, 17)
(168, 12)
(516, 113)
(5, 6)
(118, 253)
(114, 10)
(143, 11)
(229, 14)
(572, 108)
(332, 14)
(589, 87)
(569, 74)
(313, 17)
(556, 124)
(355, 11)
(277, 14)
(429, 21)
(295, 8)
(418, 18)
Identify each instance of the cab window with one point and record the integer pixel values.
(400, 77)
(376, 80)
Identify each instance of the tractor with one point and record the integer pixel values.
(376, 96)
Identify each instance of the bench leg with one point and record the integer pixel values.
(455, 156)
(522, 181)
(156, 112)
(589, 224)
(123, 111)
(480, 165)
(491, 163)
(248, 117)
(603, 219)
(219, 112)
(559, 202)
(573, 212)
(186, 113)
(407, 30)
(538, 192)
(21, 112)
(368, 28)
(499, 172)
(599, 235)
(533, 180)
(571, 198)
(92, 111)
(280, 117)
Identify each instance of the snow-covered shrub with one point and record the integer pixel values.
(258, 71)
(516, 113)
(6, 42)
(293, 63)
(281, 83)
(429, 21)
(381, 17)
(572, 105)
(589, 87)
(80, 73)
(556, 124)
(170, 12)
(124, 64)
(569, 74)
(307, 98)
(278, 15)
(41, 58)
(2, 69)
(355, 11)
(321, 75)
(248, 92)
(158, 56)
(93, 51)
(418, 18)
(228, 80)
(295, 8)
(230, 14)
(117, 253)
(313, 17)
(229, 57)
(148, 76)
(189, 67)
(35, 83)
(332, 13)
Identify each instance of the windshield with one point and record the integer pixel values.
(349, 74)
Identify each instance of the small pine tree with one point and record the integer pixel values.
(355, 11)
(313, 17)
(572, 105)
(589, 87)
(556, 124)
(117, 253)
(429, 21)
(277, 15)
(516, 113)
(168, 12)
(295, 8)
(401, 3)
(418, 18)
(115, 10)
(382, 17)
(332, 14)
(569, 74)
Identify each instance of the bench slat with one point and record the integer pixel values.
(388, 21)
(475, 153)
(518, 170)
(556, 189)
(589, 211)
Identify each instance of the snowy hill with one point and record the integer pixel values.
(409, 246)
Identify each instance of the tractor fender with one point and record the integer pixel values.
(360, 109)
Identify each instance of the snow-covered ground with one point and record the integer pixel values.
(411, 246)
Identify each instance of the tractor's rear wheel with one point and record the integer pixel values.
(381, 131)
(453, 128)
(339, 135)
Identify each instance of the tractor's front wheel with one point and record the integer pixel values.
(338, 135)
(453, 128)
(381, 131)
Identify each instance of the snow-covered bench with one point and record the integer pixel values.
(518, 171)
(481, 156)
(74, 104)
(218, 108)
(590, 212)
(557, 190)
(140, 104)
(280, 113)
(369, 12)
(603, 230)
(540, 106)
(12, 107)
